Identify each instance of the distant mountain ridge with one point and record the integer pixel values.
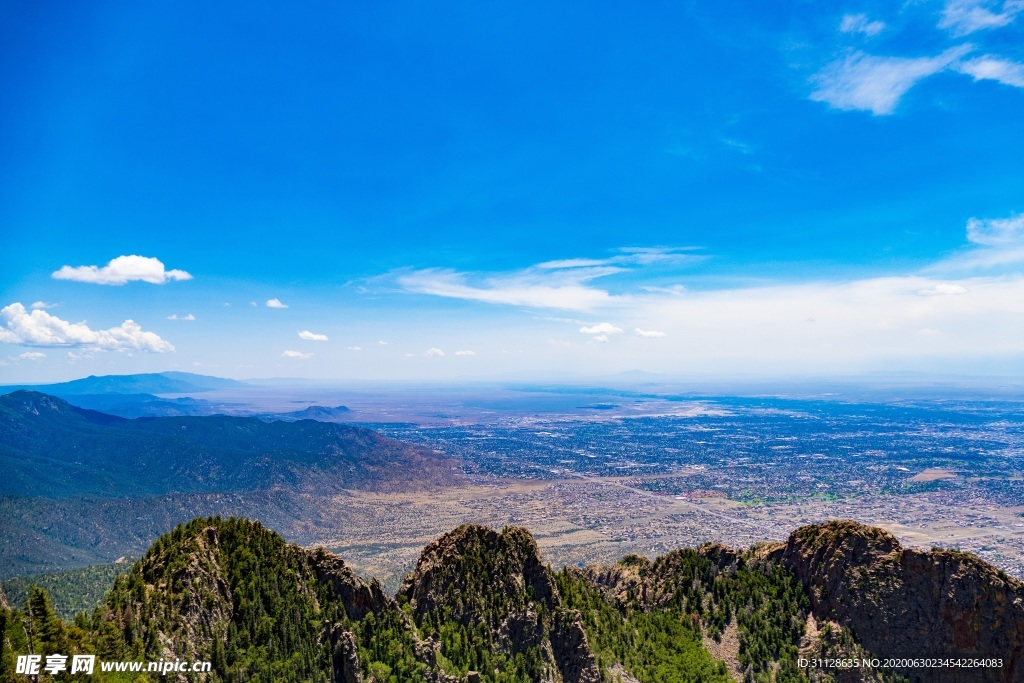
(71, 475)
(149, 383)
(51, 448)
(482, 607)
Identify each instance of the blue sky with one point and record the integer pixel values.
(583, 188)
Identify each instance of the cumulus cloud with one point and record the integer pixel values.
(992, 68)
(651, 334)
(121, 270)
(465, 353)
(275, 303)
(962, 17)
(434, 353)
(859, 23)
(32, 355)
(876, 84)
(174, 316)
(39, 328)
(312, 336)
(42, 304)
(601, 328)
(298, 355)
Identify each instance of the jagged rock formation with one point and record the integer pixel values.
(481, 607)
(900, 602)
(494, 586)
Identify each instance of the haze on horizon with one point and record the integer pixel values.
(512, 190)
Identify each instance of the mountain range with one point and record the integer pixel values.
(70, 473)
(481, 606)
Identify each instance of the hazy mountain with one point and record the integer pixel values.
(51, 448)
(150, 383)
(143, 405)
(481, 606)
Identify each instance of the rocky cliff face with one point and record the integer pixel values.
(496, 581)
(481, 607)
(901, 603)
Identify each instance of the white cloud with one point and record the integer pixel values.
(39, 328)
(275, 303)
(253, 304)
(383, 343)
(995, 243)
(560, 284)
(465, 353)
(876, 84)
(861, 324)
(649, 333)
(859, 23)
(121, 270)
(32, 355)
(996, 232)
(312, 336)
(298, 355)
(42, 304)
(601, 328)
(174, 316)
(993, 68)
(943, 289)
(355, 348)
(434, 353)
(962, 17)
(603, 338)
(516, 290)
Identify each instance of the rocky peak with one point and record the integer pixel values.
(908, 603)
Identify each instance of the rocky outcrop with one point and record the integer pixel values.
(904, 603)
(571, 650)
(359, 597)
(345, 657)
(477, 575)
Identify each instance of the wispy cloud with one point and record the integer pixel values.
(174, 316)
(650, 334)
(994, 69)
(312, 336)
(275, 303)
(943, 289)
(876, 84)
(122, 270)
(32, 356)
(42, 304)
(994, 244)
(962, 17)
(601, 328)
(297, 355)
(860, 23)
(39, 328)
(465, 353)
(434, 353)
(564, 284)
(516, 290)
(355, 348)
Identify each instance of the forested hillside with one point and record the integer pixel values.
(481, 606)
